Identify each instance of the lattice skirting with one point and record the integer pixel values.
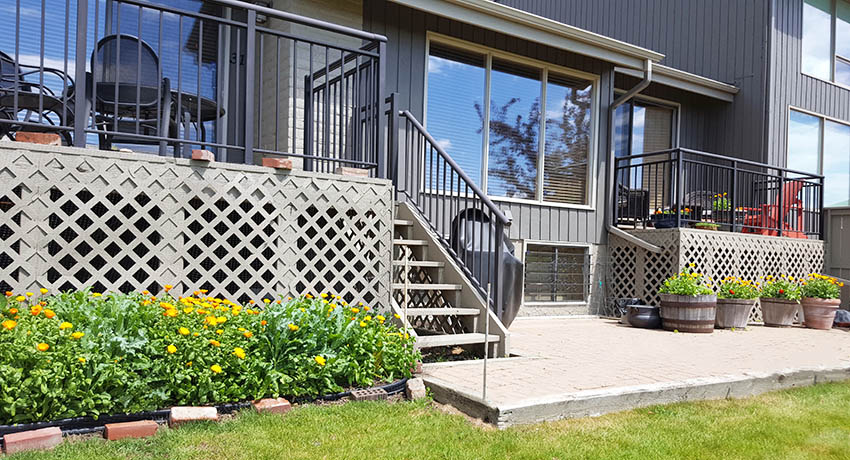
(74, 218)
(636, 272)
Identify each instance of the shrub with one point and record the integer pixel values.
(780, 288)
(687, 283)
(80, 353)
(821, 287)
(736, 288)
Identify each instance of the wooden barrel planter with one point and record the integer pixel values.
(688, 313)
(819, 313)
(778, 312)
(733, 313)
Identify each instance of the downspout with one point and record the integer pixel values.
(612, 229)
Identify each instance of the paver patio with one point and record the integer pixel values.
(575, 367)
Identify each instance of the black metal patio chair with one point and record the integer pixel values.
(33, 104)
(132, 100)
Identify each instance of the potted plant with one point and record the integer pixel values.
(821, 297)
(666, 218)
(687, 303)
(735, 300)
(779, 300)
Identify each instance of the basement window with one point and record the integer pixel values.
(556, 274)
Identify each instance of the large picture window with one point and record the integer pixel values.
(820, 146)
(533, 139)
(826, 40)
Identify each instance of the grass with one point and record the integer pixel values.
(804, 423)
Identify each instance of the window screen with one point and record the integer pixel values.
(556, 274)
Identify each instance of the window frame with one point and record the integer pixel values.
(833, 14)
(658, 102)
(588, 276)
(821, 130)
(591, 191)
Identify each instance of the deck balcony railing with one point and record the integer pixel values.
(687, 188)
(166, 77)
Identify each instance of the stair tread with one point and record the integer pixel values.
(426, 341)
(419, 263)
(402, 222)
(406, 242)
(429, 286)
(448, 311)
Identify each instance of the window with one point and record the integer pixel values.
(531, 141)
(556, 274)
(826, 44)
(820, 146)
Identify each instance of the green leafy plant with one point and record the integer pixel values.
(720, 203)
(687, 283)
(706, 225)
(821, 287)
(780, 288)
(82, 353)
(736, 288)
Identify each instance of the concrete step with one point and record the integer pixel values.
(429, 287)
(448, 311)
(406, 242)
(419, 263)
(428, 341)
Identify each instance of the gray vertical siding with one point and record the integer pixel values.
(788, 86)
(405, 30)
(725, 40)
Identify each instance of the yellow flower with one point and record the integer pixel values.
(366, 308)
(324, 296)
(355, 310)
(264, 322)
(42, 346)
(216, 368)
(320, 360)
(267, 301)
(49, 313)
(368, 318)
(20, 298)
(30, 294)
(81, 360)
(380, 318)
(65, 325)
(215, 343)
(171, 349)
(195, 334)
(302, 310)
(78, 335)
(96, 294)
(43, 291)
(239, 353)
(362, 324)
(219, 331)
(221, 319)
(248, 334)
(397, 316)
(187, 310)
(183, 331)
(167, 287)
(13, 311)
(293, 327)
(9, 324)
(171, 313)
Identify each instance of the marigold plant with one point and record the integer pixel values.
(736, 288)
(687, 283)
(783, 287)
(101, 353)
(821, 287)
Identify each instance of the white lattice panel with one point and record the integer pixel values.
(636, 272)
(120, 222)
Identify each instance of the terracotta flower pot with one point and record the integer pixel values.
(733, 313)
(819, 313)
(685, 313)
(778, 312)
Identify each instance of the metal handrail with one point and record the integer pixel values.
(448, 159)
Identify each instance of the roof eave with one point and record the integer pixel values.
(686, 81)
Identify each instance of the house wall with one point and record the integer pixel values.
(725, 40)
(788, 86)
(406, 28)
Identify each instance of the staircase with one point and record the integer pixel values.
(432, 293)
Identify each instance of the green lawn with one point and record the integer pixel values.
(803, 423)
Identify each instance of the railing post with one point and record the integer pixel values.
(821, 212)
(250, 61)
(780, 211)
(392, 140)
(308, 121)
(732, 200)
(381, 159)
(80, 112)
(680, 186)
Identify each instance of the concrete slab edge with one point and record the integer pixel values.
(597, 402)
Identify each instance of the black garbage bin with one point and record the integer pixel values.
(471, 234)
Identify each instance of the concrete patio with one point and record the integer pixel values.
(583, 367)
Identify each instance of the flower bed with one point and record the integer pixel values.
(78, 353)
